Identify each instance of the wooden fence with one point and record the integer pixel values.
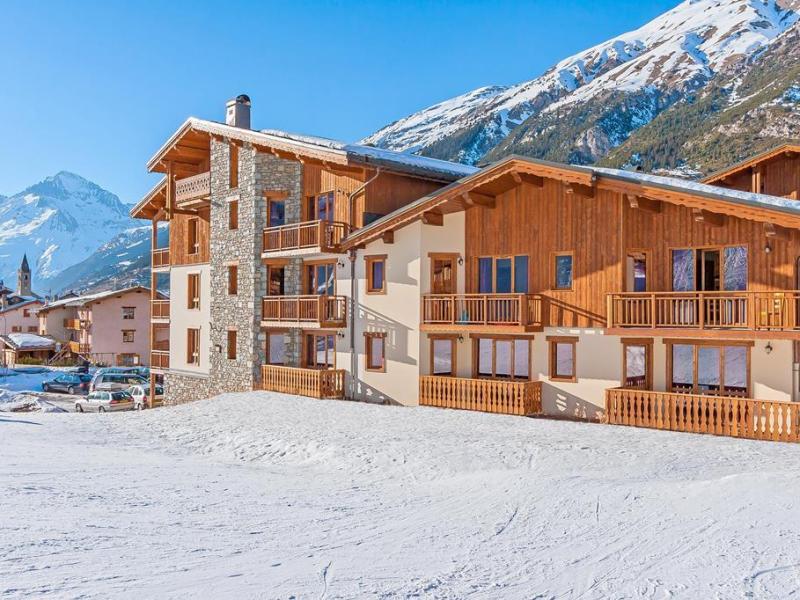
(718, 415)
(487, 395)
(315, 383)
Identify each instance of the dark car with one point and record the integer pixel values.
(70, 383)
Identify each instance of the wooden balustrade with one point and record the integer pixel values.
(325, 235)
(327, 311)
(758, 311)
(718, 415)
(160, 258)
(159, 309)
(159, 359)
(519, 310)
(315, 383)
(72, 324)
(78, 348)
(196, 187)
(487, 395)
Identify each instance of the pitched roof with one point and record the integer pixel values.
(88, 299)
(752, 161)
(24, 266)
(747, 205)
(27, 341)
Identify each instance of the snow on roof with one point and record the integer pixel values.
(26, 341)
(87, 298)
(26, 301)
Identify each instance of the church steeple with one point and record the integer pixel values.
(24, 278)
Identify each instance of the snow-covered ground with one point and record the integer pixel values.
(269, 496)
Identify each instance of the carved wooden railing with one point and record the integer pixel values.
(159, 309)
(325, 235)
(315, 383)
(195, 187)
(159, 359)
(763, 311)
(718, 415)
(482, 309)
(329, 311)
(160, 258)
(488, 395)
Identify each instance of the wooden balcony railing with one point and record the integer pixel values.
(327, 311)
(718, 415)
(159, 309)
(325, 235)
(160, 258)
(72, 324)
(196, 187)
(78, 348)
(315, 383)
(159, 359)
(488, 395)
(520, 310)
(759, 311)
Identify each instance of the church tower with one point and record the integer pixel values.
(24, 278)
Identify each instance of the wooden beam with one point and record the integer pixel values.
(776, 232)
(476, 199)
(388, 237)
(708, 218)
(578, 189)
(275, 194)
(527, 178)
(433, 218)
(645, 204)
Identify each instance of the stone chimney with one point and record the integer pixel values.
(237, 112)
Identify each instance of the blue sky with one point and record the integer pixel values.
(96, 87)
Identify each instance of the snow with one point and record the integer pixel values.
(29, 340)
(268, 496)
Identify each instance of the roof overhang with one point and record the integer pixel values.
(153, 201)
(753, 161)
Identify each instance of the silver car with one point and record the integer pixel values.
(104, 402)
(141, 394)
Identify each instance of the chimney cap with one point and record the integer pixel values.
(240, 99)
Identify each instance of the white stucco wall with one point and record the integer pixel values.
(181, 318)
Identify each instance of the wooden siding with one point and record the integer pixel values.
(779, 176)
(391, 191)
(178, 239)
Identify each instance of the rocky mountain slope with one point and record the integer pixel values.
(57, 222)
(593, 103)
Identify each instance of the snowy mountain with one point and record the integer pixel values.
(590, 103)
(58, 222)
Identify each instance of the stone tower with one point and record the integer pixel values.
(24, 278)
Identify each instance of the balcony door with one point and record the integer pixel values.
(276, 213)
(321, 279)
(503, 274)
(443, 273)
(321, 207)
(637, 364)
(636, 272)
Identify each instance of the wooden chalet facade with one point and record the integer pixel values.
(775, 172)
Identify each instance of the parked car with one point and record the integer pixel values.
(141, 371)
(140, 394)
(105, 402)
(105, 381)
(69, 383)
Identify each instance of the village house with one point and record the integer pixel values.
(303, 265)
(19, 348)
(19, 308)
(110, 327)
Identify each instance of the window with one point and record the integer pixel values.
(443, 355)
(321, 279)
(233, 214)
(562, 358)
(127, 359)
(128, 335)
(562, 271)
(443, 273)
(703, 368)
(233, 280)
(233, 164)
(276, 348)
(321, 207)
(32, 329)
(319, 351)
(376, 351)
(502, 357)
(709, 269)
(637, 360)
(274, 280)
(276, 212)
(193, 291)
(636, 271)
(503, 274)
(231, 344)
(193, 235)
(128, 313)
(376, 274)
(16, 328)
(26, 312)
(193, 346)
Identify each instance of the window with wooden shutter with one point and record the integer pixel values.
(193, 236)
(231, 344)
(376, 351)
(233, 175)
(193, 346)
(193, 291)
(233, 280)
(233, 214)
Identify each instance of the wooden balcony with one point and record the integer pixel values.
(482, 313)
(193, 190)
(310, 236)
(314, 383)
(159, 359)
(78, 348)
(487, 395)
(73, 324)
(718, 415)
(160, 259)
(304, 311)
(764, 314)
(159, 310)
